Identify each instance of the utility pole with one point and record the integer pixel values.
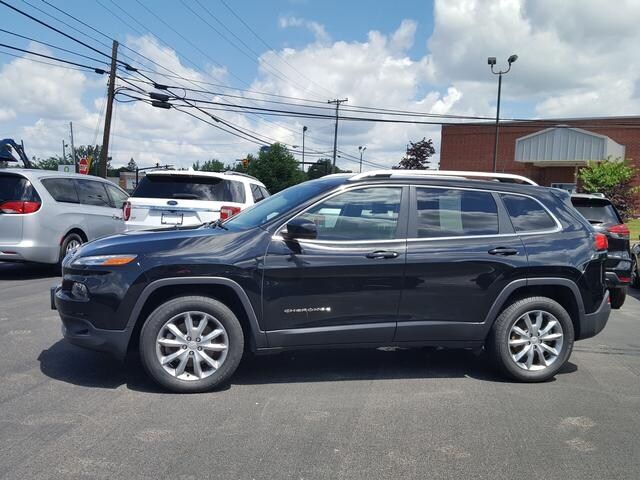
(73, 149)
(104, 153)
(64, 152)
(335, 133)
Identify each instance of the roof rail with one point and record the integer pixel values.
(231, 172)
(451, 174)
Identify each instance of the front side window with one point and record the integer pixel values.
(454, 213)
(362, 214)
(118, 197)
(526, 214)
(92, 193)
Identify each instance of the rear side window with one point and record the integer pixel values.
(453, 213)
(596, 211)
(526, 214)
(257, 193)
(17, 188)
(61, 189)
(92, 193)
(190, 188)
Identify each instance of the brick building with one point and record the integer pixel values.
(548, 152)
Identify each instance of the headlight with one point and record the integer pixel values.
(103, 260)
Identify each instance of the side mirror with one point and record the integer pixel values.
(300, 228)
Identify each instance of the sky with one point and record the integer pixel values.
(575, 59)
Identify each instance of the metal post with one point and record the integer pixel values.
(495, 147)
(73, 149)
(304, 129)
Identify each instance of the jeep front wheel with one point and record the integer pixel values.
(191, 344)
(532, 339)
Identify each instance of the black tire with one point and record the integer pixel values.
(71, 237)
(618, 296)
(635, 274)
(165, 312)
(498, 340)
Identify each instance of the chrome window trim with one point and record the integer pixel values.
(344, 188)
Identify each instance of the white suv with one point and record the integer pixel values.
(188, 198)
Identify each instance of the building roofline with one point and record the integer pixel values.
(543, 121)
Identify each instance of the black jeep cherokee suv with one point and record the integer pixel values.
(386, 258)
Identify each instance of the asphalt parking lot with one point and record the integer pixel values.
(69, 413)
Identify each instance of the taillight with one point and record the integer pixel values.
(19, 207)
(600, 241)
(621, 230)
(126, 211)
(228, 211)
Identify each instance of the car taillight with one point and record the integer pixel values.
(19, 207)
(126, 211)
(600, 241)
(228, 211)
(621, 229)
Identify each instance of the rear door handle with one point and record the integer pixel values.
(503, 251)
(382, 254)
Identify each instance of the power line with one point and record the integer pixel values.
(51, 46)
(69, 62)
(264, 42)
(21, 57)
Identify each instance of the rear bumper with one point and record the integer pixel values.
(618, 278)
(80, 332)
(593, 323)
(27, 251)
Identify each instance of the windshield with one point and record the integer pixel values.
(190, 187)
(281, 202)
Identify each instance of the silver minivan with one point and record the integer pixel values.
(45, 214)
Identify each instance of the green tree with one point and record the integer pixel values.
(322, 167)
(417, 155)
(132, 165)
(212, 165)
(52, 163)
(276, 168)
(613, 179)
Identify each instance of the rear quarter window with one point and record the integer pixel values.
(527, 215)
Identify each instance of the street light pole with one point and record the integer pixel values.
(492, 62)
(362, 149)
(304, 129)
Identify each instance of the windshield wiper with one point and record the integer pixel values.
(214, 224)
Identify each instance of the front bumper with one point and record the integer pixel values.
(78, 330)
(593, 323)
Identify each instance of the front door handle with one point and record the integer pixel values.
(382, 254)
(503, 251)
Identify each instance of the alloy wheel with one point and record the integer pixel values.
(72, 245)
(192, 345)
(535, 340)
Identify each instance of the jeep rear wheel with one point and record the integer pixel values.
(532, 339)
(191, 344)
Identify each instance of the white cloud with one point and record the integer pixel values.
(316, 28)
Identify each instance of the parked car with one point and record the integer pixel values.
(187, 197)
(380, 258)
(604, 217)
(635, 265)
(45, 214)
